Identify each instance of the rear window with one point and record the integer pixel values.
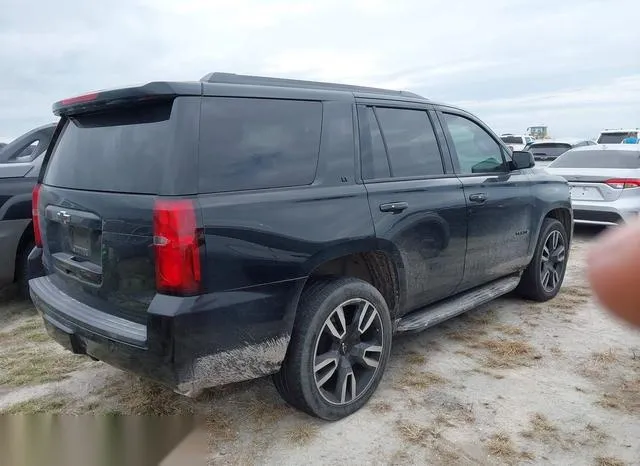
(511, 139)
(614, 138)
(258, 143)
(549, 149)
(598, 159)
(118, 151)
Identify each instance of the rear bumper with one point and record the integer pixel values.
(188, 344)
(604, 213)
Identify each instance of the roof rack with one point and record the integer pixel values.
(232, 78)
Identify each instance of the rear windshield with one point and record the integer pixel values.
(118, 151)
(511, 139)
(613, 138)
(549, 149)
(598, 159)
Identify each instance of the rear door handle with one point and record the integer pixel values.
(394, 207)
(480, 198)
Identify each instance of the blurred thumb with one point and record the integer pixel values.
(613, 266)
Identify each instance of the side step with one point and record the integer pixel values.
(439, 312)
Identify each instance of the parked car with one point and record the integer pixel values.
(516, 142)
(616, 136)
(210, 232)
(545, 152)
(20, 164)
(604, 181)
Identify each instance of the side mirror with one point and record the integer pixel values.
(522, 159)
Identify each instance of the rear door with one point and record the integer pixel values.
(416, 201)
(499, 202)
(100, 184)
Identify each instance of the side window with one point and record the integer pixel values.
(258, 143)
(476, 150)
(375, 164)
(411, 142)
(26, 154)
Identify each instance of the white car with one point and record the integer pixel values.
(515, 141)
(616, 136)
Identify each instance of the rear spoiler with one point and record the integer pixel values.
(124, 96)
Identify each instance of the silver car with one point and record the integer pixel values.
(604, 182)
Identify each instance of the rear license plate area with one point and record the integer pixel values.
(80, 241)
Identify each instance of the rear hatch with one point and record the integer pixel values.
(548, 150)
(109, 166)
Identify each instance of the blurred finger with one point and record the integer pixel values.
(614, 271)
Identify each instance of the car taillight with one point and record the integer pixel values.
(35, 199)
(176, 240)
(622, 183)
(80, 99)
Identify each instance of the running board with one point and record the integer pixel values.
(432, 315)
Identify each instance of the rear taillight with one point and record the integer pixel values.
(80, 99)
(622, 183)
(35, 199)
(177, 240)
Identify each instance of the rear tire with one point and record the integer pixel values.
(339, 348)
(542, 279)
(22, 270)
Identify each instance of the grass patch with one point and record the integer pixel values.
(626, 397)
(31, 329)
(416, 434)
(220, 427)
(380, 407)
(604, 357)
(608, 461)
(415, 358)
(420, 380)
(509, 330)
(302, 434)
(507, 353)
(466, 335)
(540, 428)
(28, 365)
(47, 404)
(501, 446)
(137, 396)
(263, 414)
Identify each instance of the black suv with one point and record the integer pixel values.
(202, 233)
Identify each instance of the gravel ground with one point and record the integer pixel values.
(510, 383)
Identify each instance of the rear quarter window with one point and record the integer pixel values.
(258, 143)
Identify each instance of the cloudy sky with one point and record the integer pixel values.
(573, 65)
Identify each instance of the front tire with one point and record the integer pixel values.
(542, 279)
(339, 348)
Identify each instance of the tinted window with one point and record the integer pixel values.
(411, 142)
(476, 150)
(549, 149)
(374, 163)
(258, 143)
(512, 139)
(119, 151)
(595, 158)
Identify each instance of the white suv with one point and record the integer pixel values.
(616, 136)
(516, 142)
